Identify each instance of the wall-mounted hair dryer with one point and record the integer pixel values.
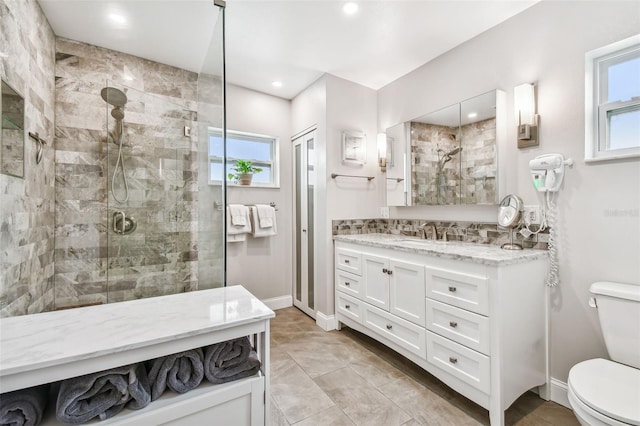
(547, 171)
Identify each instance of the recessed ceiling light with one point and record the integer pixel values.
(472, 115)
(350, 8)
(277, 84)
(117, 18)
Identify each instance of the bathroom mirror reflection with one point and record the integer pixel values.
(12, 135)
(451, 155)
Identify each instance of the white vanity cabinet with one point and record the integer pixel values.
(53, 346)
(481, 326)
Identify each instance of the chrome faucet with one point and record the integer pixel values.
(432, 227)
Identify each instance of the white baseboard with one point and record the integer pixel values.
(559, 393)
(325, 322)
(280, 302)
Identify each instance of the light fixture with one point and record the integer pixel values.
(350, 8)
(472, 115)
(525, 109)
(117, 18)
(382, 151)
(276, 83)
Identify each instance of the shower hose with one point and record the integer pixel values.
(120, 164)
(553, 278)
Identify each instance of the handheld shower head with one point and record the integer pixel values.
(117, 113)
(454, 151)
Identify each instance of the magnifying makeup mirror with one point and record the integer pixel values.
(509, 215)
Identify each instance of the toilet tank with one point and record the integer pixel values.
(619, 313)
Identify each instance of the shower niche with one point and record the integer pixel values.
(449, 156)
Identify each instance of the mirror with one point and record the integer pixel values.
(451, 155)
(12, 135)
(509, 215)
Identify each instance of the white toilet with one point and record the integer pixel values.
(603, 392)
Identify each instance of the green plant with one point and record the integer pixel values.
(242, 167)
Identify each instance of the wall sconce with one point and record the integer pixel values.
(382, 151)
(524, 97)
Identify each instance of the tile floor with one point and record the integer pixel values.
(345, 378)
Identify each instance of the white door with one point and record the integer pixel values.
(303, 238)
(376, 280)
(407, 291)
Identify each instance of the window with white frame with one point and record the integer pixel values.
(261, 150)
(612, 101)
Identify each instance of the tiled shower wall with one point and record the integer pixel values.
(479, 162)
(92, 263)
(427, 186)
(471, 182)
(27, 208)
(470, 232)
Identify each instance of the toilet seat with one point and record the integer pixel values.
(606, 389)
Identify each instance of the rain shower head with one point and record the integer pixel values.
(114, 96)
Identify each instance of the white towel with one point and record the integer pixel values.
(266, 215)
(256, 230)
(238, 214)
(238, 230)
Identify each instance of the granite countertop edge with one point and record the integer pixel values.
(485, 254)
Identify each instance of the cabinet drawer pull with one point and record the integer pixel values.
(389, 326)
(385, 271)
(452, 289)
(347, 306)
(347, 283)
(453, 324)
(346, 261)
(453, 360)
(389, 271)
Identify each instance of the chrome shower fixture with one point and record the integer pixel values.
(115, 98)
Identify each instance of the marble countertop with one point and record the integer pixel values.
(485, 254)
(54, 338)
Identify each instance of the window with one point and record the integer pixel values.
(261, 150)
(612, 101)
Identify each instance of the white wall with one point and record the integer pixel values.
(263, 265)
(545, 44)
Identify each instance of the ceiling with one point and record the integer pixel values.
(294, 41)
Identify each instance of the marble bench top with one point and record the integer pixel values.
(478, 253)
(55, 338)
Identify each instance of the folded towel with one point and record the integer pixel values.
(243, 229)
(266, 215)
(181, 372)
(256, 230)
(238, 214)
(249, 367)
(23, 407)
(103, 394)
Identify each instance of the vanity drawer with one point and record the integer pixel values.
(349, 307)
(399, 331)
(467, 365)
(466, 291)
(464, 327)
(349, 283)
(349, 260)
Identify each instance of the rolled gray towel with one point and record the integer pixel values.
(181, 372)
(220, 375)
(227, 354)
(103, 394)
(23, 407)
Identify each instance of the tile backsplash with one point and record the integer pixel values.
(471, 232)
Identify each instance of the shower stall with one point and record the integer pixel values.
(132, 192)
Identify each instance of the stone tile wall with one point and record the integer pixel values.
(479, 162)
(27, 204)
(428, 144)
(471, 232)
(93, 264)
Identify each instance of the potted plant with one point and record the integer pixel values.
(244, 171)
